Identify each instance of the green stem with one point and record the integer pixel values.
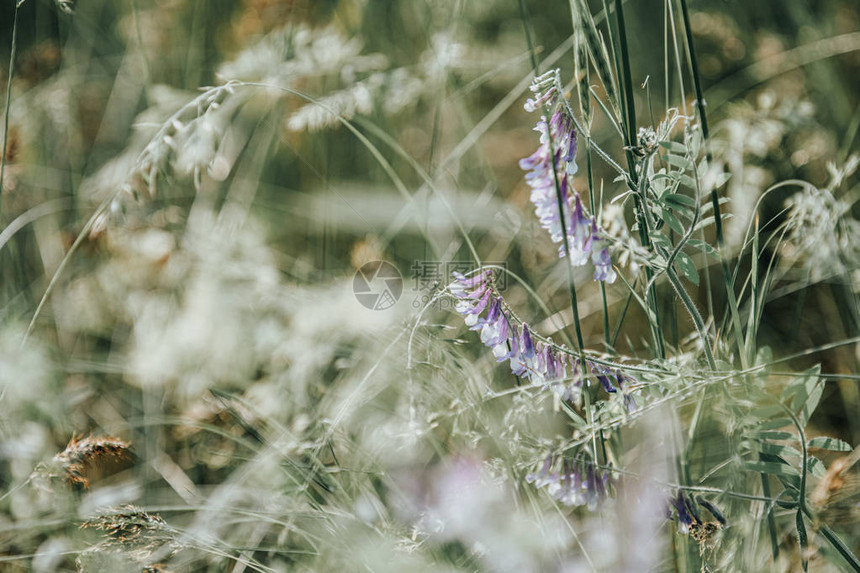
(715, 202)
(700, 107)
(617, 331)
(8, 101)
(571, 287)
(582, 70)
(771, 519)
(622, 62)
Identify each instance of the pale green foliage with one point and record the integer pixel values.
(201, 305)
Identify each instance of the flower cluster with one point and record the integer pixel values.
(530, 357)
(572, 483)
(550, 169)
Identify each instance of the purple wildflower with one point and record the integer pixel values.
(604, 376)
(540, 361)
(687, 513)
(603, 270)
(572, 391)
(689, 519)
(685, 519)
(613, 381)
(573, 483)
(550, 169)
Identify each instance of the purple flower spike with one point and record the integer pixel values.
(542, 478)
(550, 168)
(554, 368)
(571, 149)
(603, 270)
(528, 347)
(576, 484)
(496, 336)
(502, 352)
(685, 520)
(580, 233)
(473, 281)
(604, 376)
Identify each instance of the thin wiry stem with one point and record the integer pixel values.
(8, 100)
(582, 72)
(559, 199)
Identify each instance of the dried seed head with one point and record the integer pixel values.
(133, 540)
(91, 457)
(705, 533)
(128, 524)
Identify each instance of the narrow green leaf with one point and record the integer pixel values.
(681, 200)
(674, 147)
(811, 404)
(766, 412)
(771, 468)
(661, 240)
(687, 181)
(708, 221)
(790, 483)
(672, 221)
(805, 382)
(721, 179)
(708, 207)
(773, 435)
(679, 161)
(826, 443)
(701, 245)
(687, 267)
(779, 450)
(840, 546)
(774, 423)
(816, 466)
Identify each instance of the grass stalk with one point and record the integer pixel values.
(628, 128)
(571, 287)
(583, 76)
(693, 63)
(8, 100)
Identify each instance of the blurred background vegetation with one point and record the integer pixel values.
(228, 274)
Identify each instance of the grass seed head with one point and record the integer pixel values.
(87, 459)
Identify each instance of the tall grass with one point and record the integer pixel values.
(658, 366)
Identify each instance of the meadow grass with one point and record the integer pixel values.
(623, 340)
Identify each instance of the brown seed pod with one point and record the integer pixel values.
(87, 459)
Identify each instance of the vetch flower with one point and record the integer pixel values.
(613, 381)
(541, 361)
(550, 169)
(689, 519)
(603, 270)
(574, 483)
(684, 512)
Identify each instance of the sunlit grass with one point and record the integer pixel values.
(190, 383)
